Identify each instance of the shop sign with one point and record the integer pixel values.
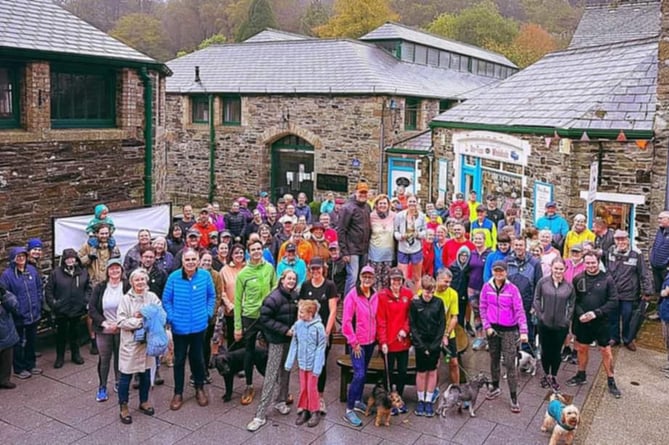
(493, 146)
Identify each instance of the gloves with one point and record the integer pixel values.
(93, 256)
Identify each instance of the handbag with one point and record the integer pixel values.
(139, 335)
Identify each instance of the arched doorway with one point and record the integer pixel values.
(292, 167)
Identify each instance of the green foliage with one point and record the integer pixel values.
(558, 17)
(354, 18)
(216, 39)
(260, 16)
(316, 14)
(480, 25)
(423, 12)
(143, 32)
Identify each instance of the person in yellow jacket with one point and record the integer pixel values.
(578, 234)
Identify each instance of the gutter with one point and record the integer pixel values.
(148, 136)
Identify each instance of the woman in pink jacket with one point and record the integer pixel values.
(361, 304)
(503, 318)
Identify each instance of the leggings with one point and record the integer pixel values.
(360, 365)
(401, 360)
(276, 377)
(504, 342)
(251, 331)
(107, 345)
(551, 341)
(324, 373)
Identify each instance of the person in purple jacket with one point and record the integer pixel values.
(503, 319)
(477, 261)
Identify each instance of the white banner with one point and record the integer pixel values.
(70, 232)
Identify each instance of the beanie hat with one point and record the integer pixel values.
(34, 243)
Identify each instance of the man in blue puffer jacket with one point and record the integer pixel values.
(24, 281)
(188, 299)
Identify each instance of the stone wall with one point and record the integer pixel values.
(340, 128)
(46, 173)
(625, 168)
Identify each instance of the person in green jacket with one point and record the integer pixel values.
(254, 283)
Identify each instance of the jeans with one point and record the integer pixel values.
(24, 350)
(144, 386)
(191, 345)
(67, 331)
(352, 271)
(107, 346)
(624, 311)
(360, 365)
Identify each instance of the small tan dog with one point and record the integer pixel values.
(562, 419)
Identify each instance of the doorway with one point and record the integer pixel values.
(292, 167)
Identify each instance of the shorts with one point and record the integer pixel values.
(452, 348)
(425, 363)
(596, 330)
(409, 258)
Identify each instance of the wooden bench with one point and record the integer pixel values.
(375, 372)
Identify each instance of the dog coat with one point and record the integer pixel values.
(555, 408)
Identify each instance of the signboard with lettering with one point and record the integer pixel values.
(335, 183)
(592, 183)
(493, 146)
(543, 194)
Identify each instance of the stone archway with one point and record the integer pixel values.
(275, 133)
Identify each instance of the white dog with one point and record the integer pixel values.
(525, 363)
(563, 419)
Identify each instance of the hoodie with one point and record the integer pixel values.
(92, 224)
(26, 286)
(308, 346)
(460, 271)
(68, 289)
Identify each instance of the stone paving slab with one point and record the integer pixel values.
(59, 407)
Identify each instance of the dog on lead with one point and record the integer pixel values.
(525, 363)
(458, 395)
(229, 363)
(381, 401)
(562, 419)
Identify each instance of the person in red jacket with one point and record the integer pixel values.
(428, 253)
(392, 330)
(450, 251)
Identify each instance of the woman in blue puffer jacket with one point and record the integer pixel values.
(23, 280)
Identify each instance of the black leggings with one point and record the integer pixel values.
(251, 331)
(551, 341)
(322, 379)
(401, 359)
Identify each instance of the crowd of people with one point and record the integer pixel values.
(386, 272)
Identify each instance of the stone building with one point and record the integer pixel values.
(302, 114)
(73, 114)
(535, 137)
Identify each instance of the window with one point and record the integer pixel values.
(498, 71)
(444, 59)
(232, 110)
(408, 50)
(455, 61)
(199, 109)
(421, 55)
(464, 64)
(474, 66)
(433, 57)
(490, 69)
(82, 97)
(446, 104)
(9, 97)
(411, 113)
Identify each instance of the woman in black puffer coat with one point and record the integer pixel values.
(277, 316)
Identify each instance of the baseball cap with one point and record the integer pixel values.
(396, 273)
(577, 248)
(339, 200)
(333, 245)
(263, 194)
(242, 199)
(362, 187)
(193, 232)
(367, 269)
(316, 262)
(481, 209)
(620, 234)
(285, 219)
(226, 233)
(551, 204)
(499, 265)
(459, 196)
(316, 226)
(204, 210)
(113, 261)
(290, 247)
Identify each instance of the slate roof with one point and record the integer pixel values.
(609, 87)
(315, 66)
(41, 25)
(395, 31)
(273, 35)
(606, 23)
(420, 143)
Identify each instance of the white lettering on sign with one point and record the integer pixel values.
(493, 146)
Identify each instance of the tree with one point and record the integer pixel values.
(354, 18)
(316, 14)
(260, 16)
(558, 17)
(481, 25)
(532, 43)
(104, 14)
(216, 39)
(143, 32)
(422, 12)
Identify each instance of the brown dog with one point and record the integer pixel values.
(380, 399)
(563, 419)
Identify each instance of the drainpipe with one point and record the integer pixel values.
(148, 136)
(212, 150)
(381, 146)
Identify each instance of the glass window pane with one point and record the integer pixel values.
(200, 109)
(433, 56)
(232, 110)
(77, 96)
(408, 50)
(6, 94)
(444, 59)
(464, 63)
(455, 61)
(421, 55)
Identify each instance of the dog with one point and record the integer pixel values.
(525, 362)
(562, 418)
(457, 395)
(380, 399)
(229, 363)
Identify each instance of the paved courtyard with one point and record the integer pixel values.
(59, 407)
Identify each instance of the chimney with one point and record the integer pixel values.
(197, 74)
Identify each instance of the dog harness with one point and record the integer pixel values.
(555, 408)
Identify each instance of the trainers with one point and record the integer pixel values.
(256, 424)
(360, 407)
(394, 411)
(515, 407)
(493, 393)
(321, 407)
(36, 371)
(403, 409)
(435, 395)
(566, 353)
(577, 380)
(314, 419)
(555, 386)
(102, 395)
(25, 374)
(544, 382)
(282, 408)
(479, 344)
(116, 387)
(613, 389)
(352, 418)
(420, 408)
(429, 409)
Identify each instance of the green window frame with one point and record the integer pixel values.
(231, 108)
(199, 106)
(446, 104)
(83, 97)
(10, 116)
(411, 108)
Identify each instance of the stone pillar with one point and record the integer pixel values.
(662, 116)
(36, 102)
